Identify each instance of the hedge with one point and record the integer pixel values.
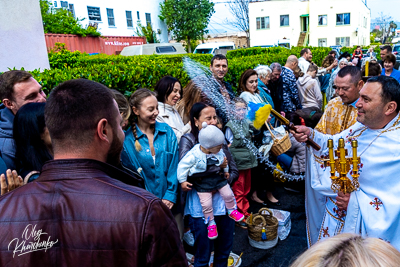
(319, 53)
(129, 73)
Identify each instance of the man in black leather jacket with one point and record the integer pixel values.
(83, 211)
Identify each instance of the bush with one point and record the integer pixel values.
(319, 53)
(123, 73)
(130, 73)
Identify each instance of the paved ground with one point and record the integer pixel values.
(285, 251)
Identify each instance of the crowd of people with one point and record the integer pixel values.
(110, 181)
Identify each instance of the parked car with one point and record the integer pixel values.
(151, 49)
(214, 48)
(284, 43)
(263, 46)
(337, 49)
(396, 39)
(396, 51)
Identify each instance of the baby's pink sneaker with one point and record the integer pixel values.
(237, 216)
(212, 231)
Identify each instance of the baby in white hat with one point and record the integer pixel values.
(208, 152)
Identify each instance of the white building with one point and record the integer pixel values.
(21, 24)
(117, 17)
(313, 22)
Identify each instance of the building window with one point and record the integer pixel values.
(343, 41)
(138, 17)
(343, 19)
(284, 20)
(94, 13)
(322, 20)
(322, 42)
(64, 4)
(262, 23)
(148, 19)
(110, 16)
(71, 9)
(129, 21)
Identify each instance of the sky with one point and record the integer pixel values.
(388, 7)
(217, 25)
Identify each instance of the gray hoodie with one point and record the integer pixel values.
(7, 147)
(309, 92)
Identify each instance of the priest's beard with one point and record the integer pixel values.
(114, 154)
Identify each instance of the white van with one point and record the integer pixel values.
(211, 48)
(150, 49)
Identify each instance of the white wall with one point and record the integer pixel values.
(296, 8)
(119, 7)
(22, 42)
(274, 9)
(357, 11)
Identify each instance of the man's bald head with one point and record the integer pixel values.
(292, 59)
(292, 62)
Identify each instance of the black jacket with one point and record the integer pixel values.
(96, 214)
(276, 89)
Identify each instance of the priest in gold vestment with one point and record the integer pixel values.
(324, 219)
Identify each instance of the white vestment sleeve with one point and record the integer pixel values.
(353, 218)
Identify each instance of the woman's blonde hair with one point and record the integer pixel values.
(349, 250)
(136, 100)
(327, 61)
(298, 72)
(192, 94)
(123, 104)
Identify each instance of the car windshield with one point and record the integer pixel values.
(165, 49)
(396, 48)
(287, 45)
(226, 47)
(203, 51)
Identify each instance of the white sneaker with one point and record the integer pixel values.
(189, 239)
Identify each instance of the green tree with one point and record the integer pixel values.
(62, 21)
(187, 19)
(193, 43)
(148, 32)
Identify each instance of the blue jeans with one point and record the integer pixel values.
(203, 245)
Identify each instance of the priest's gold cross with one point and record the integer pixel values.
(342, 165)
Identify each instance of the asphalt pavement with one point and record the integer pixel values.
(286, 251)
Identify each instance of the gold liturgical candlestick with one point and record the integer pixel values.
(342, 166)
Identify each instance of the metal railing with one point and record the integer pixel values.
(306, 38)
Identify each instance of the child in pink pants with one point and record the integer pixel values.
(208, 152)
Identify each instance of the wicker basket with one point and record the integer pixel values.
(280, 146)
(263, 222)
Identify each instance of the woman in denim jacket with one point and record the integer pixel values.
(151, 148)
